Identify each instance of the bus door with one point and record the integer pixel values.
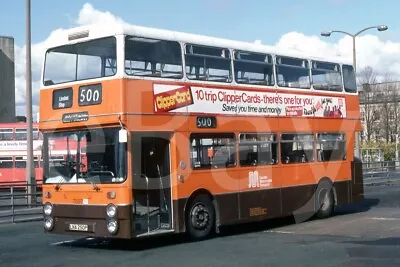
(151, 183)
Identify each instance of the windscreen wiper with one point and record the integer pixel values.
(95, 186)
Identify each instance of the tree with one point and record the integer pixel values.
(368, 78)
(385, 91)
(395, 95)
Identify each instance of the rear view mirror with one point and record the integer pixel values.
(122, 136)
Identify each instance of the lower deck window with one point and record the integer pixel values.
(36, 162)
(331, 147)
(297, 148)
(6, 162)
(20, 162)
(212, 151)
(257, 149)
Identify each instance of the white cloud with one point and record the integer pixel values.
(383, 56)
(87, 15)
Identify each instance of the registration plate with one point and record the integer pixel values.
(78, 227)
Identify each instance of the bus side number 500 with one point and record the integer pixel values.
(206, 122)
(90, 95)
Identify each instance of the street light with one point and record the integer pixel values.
(30, 176)
(380, 28)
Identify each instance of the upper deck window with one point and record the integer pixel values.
(151, 57)
(6, 134)
(326, 76)
(208, 63)
(81, 61)
(253, 68)
(20, 134)
(349, 79)
(293, 72)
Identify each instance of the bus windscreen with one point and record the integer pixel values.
(90, 156)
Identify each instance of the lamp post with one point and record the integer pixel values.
(397, 151)
(380, 28)
(30, 178)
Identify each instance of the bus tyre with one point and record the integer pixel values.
(324, 201)
(200, 217)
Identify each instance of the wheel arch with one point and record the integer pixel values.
(202, 191)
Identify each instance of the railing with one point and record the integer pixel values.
(17, 205)
(381, 172)
(381, 166)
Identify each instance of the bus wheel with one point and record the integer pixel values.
(200, 217)
(325, 201)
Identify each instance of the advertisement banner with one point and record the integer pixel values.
(195, 99)
(19, 145)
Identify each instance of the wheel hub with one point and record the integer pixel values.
(200, 216)
(325, 203)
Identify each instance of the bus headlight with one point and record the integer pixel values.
(48, 209)
(112, 226)
(48, 223)
(111, 210)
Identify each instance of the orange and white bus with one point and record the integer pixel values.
(178, 132)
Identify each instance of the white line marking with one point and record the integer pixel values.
(278, 232)
(62, 242)
(385, 219)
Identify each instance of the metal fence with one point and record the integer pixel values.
(17, 205)
(381, 166)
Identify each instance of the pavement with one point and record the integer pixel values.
(367, 234)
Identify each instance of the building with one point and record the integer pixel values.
(380, 114)
(7, 80)
(380, 111)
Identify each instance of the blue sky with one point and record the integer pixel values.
(266, 20)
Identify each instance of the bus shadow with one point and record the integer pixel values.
(225, 232)
(128, 245)
(169, 240)
(362, 206)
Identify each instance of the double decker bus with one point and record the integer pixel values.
(13, 145)
(177, 132)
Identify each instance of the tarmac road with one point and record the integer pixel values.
(360, 235)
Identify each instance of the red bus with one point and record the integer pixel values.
(13, 156)
(13, 146)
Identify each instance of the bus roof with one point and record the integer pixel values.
(94, 31)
